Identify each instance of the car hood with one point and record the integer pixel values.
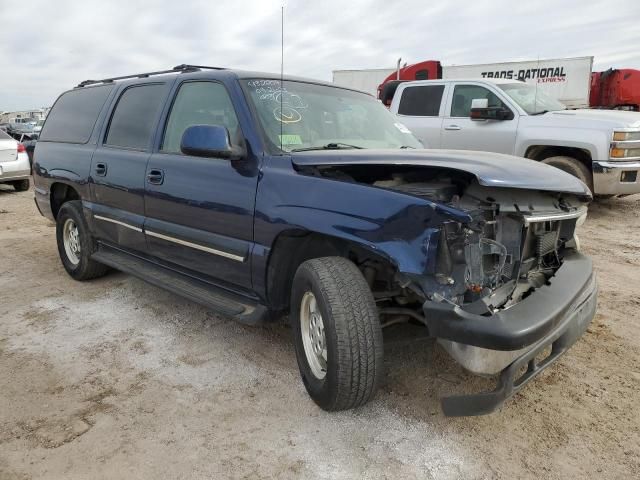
(491, 169)
(594, 117)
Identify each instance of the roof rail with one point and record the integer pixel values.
(184, 68)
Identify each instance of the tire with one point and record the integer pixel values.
(352, 333)
(572, 166)
(21, 185)
(76, 252)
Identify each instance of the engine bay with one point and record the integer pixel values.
(513, 245)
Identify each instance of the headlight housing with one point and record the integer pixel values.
(622, 136)
(625, 144)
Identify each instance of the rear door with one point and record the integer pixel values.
(461, 133)
(119, 164)
(420, 108)
(199, 211)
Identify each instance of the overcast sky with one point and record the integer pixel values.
(49, 46)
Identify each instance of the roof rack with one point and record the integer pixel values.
(184, 68)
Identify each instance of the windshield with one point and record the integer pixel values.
(307, 116)
(532, 100)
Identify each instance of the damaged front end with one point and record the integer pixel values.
(509, 291)
(503, 279)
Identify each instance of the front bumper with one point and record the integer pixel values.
(18, 169)
(616, 177)
(555, 316)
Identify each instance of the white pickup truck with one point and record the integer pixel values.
(600, 147)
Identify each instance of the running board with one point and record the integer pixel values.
(210, 296)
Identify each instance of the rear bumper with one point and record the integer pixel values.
(616, 178)
(41, 197)
(555, 316)
(18, 169)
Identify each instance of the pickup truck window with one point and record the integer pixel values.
(532, 100)
(134, 117)
(421, 101)
(74, 114)
(300, 115)
(464, 94)
(198, 103)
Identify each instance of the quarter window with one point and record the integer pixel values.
(198, 103)
(133, 120)
(421, 101)
(464, 94)
(74, 115)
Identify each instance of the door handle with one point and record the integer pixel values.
(155, 176)
(101, 169)
(453, 127)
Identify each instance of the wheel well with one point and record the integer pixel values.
(540, 152)
(60, 194)
(294, 247)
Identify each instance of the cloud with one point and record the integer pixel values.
(51, 46)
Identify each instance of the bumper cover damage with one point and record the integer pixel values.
(554, 316)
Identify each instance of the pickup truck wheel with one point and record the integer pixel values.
(337, 333)
(21, 185)
(572, 166)
(75, 243)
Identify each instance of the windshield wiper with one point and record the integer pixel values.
(407, 146)
(540, 113)
(328, 146)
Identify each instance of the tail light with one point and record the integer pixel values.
(21, 148)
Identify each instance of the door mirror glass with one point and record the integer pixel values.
(208, 141)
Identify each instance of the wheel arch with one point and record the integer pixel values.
(293, 247)
(59, 194)
(541, 152)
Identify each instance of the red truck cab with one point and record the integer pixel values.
(616, 88)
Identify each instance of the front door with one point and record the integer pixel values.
(119, 164)
(461, 133)
(199, 211)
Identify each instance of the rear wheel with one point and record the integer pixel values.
(21, 185)
(572, 166)
(337, 333)
(75, 243)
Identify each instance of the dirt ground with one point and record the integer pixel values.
(118, 379)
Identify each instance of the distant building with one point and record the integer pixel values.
(35, 114)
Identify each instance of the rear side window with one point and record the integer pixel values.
(74, 115)
(198, 103)
(463, 95)
(134, 117)
(422, 101)
(4, 135)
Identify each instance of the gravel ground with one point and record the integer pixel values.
(115, 378)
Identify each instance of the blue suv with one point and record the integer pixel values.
(260, 196)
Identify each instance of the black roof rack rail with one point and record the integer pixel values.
(184, 68)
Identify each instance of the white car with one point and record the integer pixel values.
(600, 147)
(14, 163)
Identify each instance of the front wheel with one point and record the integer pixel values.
(337, 333)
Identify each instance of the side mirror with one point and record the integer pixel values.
(480, 110)
(209, 141)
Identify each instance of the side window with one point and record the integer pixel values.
(464, 94)
(74, 115)
(422, 101)
(198, 103)
(134, 117)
